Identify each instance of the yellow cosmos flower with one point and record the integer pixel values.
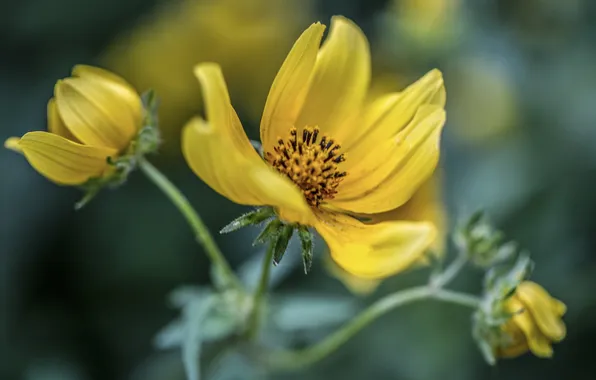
(535, 324)
(93, 115)
(425, 205)
(327, 155)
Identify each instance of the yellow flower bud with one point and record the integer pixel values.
(94, 115)
(536, 322)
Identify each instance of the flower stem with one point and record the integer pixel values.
(288, 360)
(194, 220)
(450, 272)
(459, 298)
(302, 358)
(254, 319)
(434, 290)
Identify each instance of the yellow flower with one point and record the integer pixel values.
(240, 35)
(535, 324)
(425, 205)
(327, 155)
(93, 115)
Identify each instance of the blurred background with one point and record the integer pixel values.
(82, 294)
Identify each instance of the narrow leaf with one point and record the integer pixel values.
(306, 241)
(251, 218)
(281, 244)
(269, 233)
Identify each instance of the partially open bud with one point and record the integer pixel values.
(516, 315)
(95, 120)
(535, 323)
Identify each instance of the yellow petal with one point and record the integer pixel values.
(97, 110)
(425, 205)
(219, 152)
(357, 285)
(96, 73)
(559, 307)
(383, 182)
(12, 143)
(540, 304)
(513, 350)
(538, 343)
(340, 80)
(124, 90)
(374, 251)
(290, 87)
(517, 345)
(390, 113)
(63, 161)
(55, 123)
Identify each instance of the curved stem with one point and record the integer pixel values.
(254, 320)
(310, 355)
(450, 272)
(194, 220)
(459, 298)
(296, 359)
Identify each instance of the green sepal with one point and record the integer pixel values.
(91, 188)
(281, 243)
(248, 219)
(484, 245)
(486, 337)
(306, 241)
(269, 233)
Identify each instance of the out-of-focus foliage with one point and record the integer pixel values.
(82, 294)
(249, 39)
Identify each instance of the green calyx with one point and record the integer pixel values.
(249, 219)
(276, 234)
(484, 245)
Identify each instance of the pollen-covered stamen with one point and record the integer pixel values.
(309, 163)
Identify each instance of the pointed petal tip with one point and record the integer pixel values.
(12, 143)
(338, 20)
(205, 66)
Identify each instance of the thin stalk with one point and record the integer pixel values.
(288, 360)
(302, 358)
(450, 272)
(459, 298)
(194, 220)
(255, 317)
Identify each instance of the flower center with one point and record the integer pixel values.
(309, 163)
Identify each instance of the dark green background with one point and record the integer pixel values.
(83, 293)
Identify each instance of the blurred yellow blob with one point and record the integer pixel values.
(429, 23)
(93, 115)
(536, 322)
(486, 106)
(248, 39)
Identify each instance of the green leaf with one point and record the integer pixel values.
(475, 219)
(251, 218)
(184, 295)
(281, 243)
(269, 233)
(195, 314)
(306, 241)
(305, 311)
